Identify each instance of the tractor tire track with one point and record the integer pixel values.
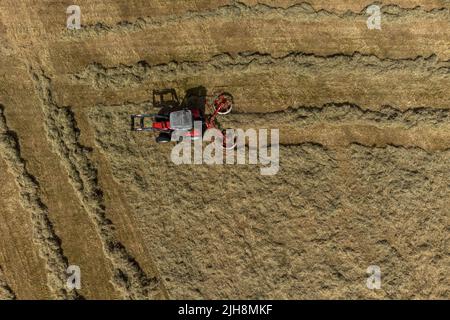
(371, 82)
(312, 79)
(407, 33)
(344, 124)
(303, 11)
(6, 293)
(63, 136)
(43, 231)
(301, 116)
(102, 77)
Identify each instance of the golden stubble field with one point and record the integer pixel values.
(364, 123)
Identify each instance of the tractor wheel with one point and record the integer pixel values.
(228, 99)
(163, 138)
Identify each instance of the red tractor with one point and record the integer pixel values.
(179, 118)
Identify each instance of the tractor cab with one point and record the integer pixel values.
(182, 124)
(181, 120)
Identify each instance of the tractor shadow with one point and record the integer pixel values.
(167, 101)
(195, 98)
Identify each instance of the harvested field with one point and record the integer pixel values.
(364, 120)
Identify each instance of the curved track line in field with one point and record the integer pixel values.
(239, 9)
(43, 232)
(6, 293)
(102, 77)
(343, 124)
(63, 136)
(395, 146)
(342, 136)
(346, 112)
